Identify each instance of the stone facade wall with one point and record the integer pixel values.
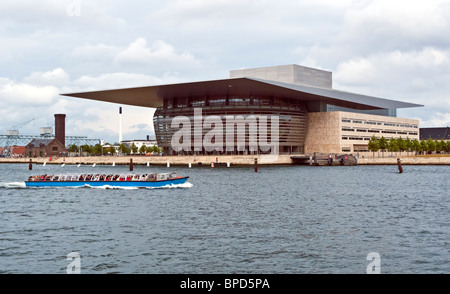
(323, 133)
(338, 132)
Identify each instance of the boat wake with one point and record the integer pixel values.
(12, 185)
(21, 185)
(171, 186)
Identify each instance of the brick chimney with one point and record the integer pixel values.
(60, 128)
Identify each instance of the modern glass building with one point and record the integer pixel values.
(312, 116)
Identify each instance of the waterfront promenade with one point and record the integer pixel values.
(219, 160)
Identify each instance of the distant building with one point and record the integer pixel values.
(435, 133)
(13, 151)
(45, 147)
(139, 143)
(313, 117)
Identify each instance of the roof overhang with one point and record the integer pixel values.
(153, 96)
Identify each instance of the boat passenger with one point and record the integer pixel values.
(150, 177)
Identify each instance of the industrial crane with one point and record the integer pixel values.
(14, 130)
(12, 135)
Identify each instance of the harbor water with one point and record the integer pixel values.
(279, 220)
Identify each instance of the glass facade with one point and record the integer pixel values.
(385, 112)
(291, 113)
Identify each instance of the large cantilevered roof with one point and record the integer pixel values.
(153, 96)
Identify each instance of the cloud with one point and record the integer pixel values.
(38, 96)
(418, 72)
(56, 77)
(117, 80)
(93, 52)
(26, 95)
(392, 49)
(160, 52)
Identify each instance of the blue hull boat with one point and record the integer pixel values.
(97, 180)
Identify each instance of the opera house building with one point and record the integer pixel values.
(312, 116)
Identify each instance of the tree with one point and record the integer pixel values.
(431, 145)
(112, 150)
(383, 143)
(86, 148)
(445, 146)
(97, 149)
(134, 148)
(416, 146)
(401, 144)
(143, 149)
(423, 146)
(156, 149)
(374, 145)
(393, 145)
(439, 146)
(124, 149)
(74, 148)
(409, 144)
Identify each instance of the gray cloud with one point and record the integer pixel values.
(391, 49)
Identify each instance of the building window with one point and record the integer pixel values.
(346, 149)
(54, 148)
(355, 138)
(348, 130)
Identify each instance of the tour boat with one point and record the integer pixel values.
(112, 180)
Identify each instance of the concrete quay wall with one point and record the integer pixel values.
(221, 159)
(407, 160)
(160, 160)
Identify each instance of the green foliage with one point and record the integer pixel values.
(417, 147)
(73, 148)
(86, 148)
(154, 149)
(97, 149)
(431, 145)
(393, 145)
(124, 149)
(143, 149)
(374, 144)
(134, 148)
(409, 144)
(402, 146)
(384, 144)
(423, 145)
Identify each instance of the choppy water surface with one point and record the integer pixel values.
(287, 219)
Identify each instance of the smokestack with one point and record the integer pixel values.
(60, 128)
(120, 125)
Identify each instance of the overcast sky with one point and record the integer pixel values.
(391, 49)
